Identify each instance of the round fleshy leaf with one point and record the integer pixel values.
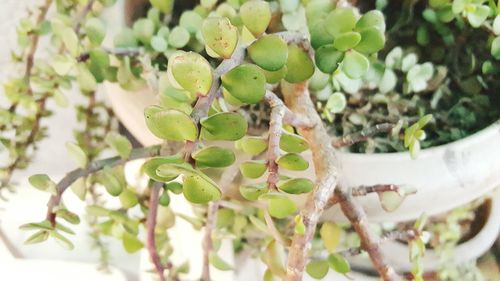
(372, 41)
(340, 20)
(270, 52)
(390, 200)
(339, 263)
(296, 186)
(253, 169)
(178, 37)
(174, 187)
(128, 198)
(336, 103)
(159, 43)
(355, 64)
(273, 77)
(328, 58)
(213, 156)
(495, 48)
(299, 64)
(373, 18)
(191, 71)
(256, 16)
(165, 6)
(388, 81)
(254, 191)
(252, 145)
(246, 83)
(170, 124)
(125, 39)
(95, 30)
(347, 40)
(279, 205)
(191, 21)
(200, 190)
(150, 166)
(293, 143)
(319, 81)
(164, 199)
(496, 25)
(331, 234)
(173, 170)
(317, 269)
(220, 36)
(292, 161)
(478, 16)
(229, 126)
(319, 35)
(43, 182)
(144, 29)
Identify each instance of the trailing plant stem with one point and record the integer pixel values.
(150, 227)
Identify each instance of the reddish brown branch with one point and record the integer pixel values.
(151, 226)
(363, 135)
(364, 190)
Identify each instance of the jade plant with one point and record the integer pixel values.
(244, 88)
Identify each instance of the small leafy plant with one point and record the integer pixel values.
(244, 87)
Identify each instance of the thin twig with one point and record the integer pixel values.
(275, 233)
(120, 52)
(275, 130)
(363, 135)
(93, 167)
(364, 190)
(207, 239)
(151, 226)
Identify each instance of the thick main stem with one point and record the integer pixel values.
(298, 100)
(150, 228)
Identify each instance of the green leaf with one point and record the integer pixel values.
(331, 234)
(273, 258)
(119, 143)
(259, 224)
(213, 156)
(79, 187)
(339, 263)
(292, 161)
(172, 170)
(166, 218)
(62, 64)
(293, 143)
(43, 183)
(178, 37)
(150, 166)
(319, 34)
(252, 145)
(328, 58)
(217, 126)
(340, 20)
(253, 169)
(256, 16)
(191, 71)
(254, 191)
(336, 102)
(496, 25)
(200, 190)
(388, 81)
(68, 216)
(95, 30)
(174, 187)
(299, 227)
(77, 154)
(347, 40)
(390, 200)
(219, 263)
(130, 243)
(372, 41)
(128, 198)
(495, 48)
(165, 6)
(191, 21)
(245, 82)
(355, 64)
(373, 18)
(110, 181)
(317, 269)
(44, 225)
(99, 65)
(220, 36)
(225, 218)
(170, 124)
(85, 78)
(296, 186)
(279, 205)
(159, 44)
(299, 64)
(270, 52)
(37, 237)
(273, 77)
(125, 39)
(61, 240)
(478, 15)
(97, 211)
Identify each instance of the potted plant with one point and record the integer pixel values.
(267, 79)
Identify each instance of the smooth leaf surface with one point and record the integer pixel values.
(299, 64)
(256, 15)
(253, 169)
(254, 191)
(296, 186)
(270, 52)
(200, 190)
(245, 82)
(220, 36)
(213, 156)
(229, 126)
(293, 162)
(170, 124)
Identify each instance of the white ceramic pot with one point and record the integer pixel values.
(398, 254)
(445, 176)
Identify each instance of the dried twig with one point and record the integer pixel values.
(363, 135)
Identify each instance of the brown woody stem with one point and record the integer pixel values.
(150, 228)
(207, 239)
(363, 135)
